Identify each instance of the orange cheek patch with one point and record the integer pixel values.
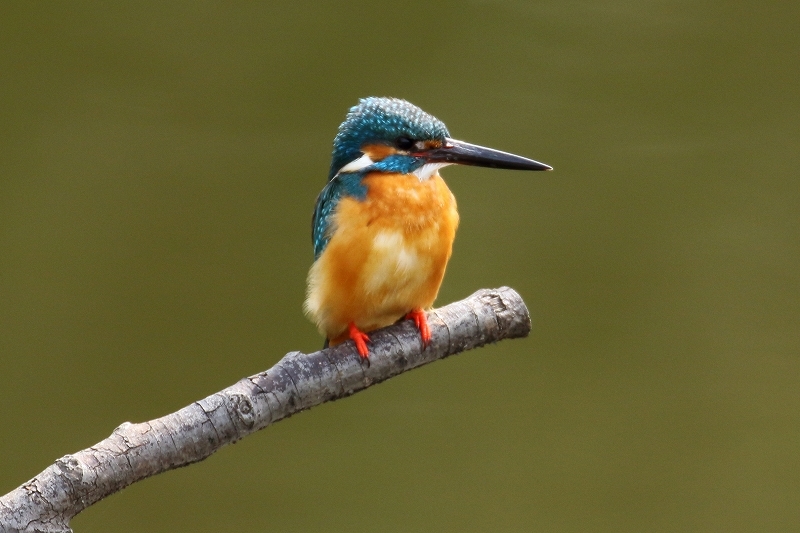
(376, 152)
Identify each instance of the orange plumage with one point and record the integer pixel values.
(387, 256)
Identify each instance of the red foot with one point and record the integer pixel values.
(419, 318)
(360, 338)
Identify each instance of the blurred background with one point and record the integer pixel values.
(158, 168)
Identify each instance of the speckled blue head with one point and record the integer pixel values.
(382, 121)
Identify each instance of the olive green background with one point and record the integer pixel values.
(158, 167)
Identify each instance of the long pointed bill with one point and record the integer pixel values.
(463, 153)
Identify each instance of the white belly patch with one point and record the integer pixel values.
(394, 267)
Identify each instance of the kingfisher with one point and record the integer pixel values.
(384, 224)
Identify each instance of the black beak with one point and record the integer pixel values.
(462, 153)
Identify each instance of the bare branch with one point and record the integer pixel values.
(299, 381)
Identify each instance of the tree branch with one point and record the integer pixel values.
(299, 381)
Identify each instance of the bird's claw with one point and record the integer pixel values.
(360, 339)
(421, 320)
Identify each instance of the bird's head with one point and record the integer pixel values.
(394, 136)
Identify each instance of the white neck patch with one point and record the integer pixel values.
(426, 171)
(357, 164)
(423, 173)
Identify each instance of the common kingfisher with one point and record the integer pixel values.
(384, 225)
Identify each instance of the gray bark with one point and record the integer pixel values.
(299, 381)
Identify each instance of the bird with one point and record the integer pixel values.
(384, 224)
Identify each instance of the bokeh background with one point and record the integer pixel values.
(158, 167)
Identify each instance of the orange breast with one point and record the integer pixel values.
(387, 255)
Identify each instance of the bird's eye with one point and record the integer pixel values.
(404, 143)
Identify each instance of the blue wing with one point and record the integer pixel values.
(339, 187)
(321, 221)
